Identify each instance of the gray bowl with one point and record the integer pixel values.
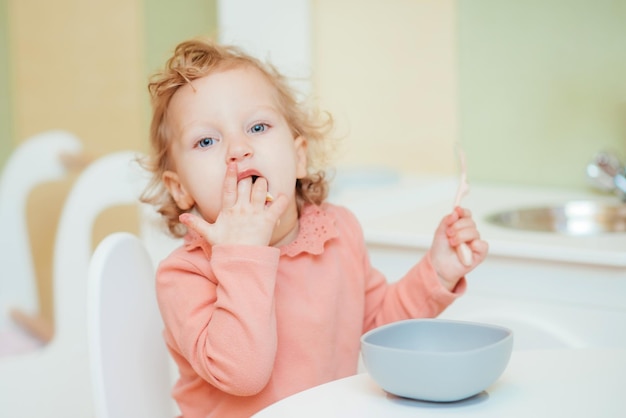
(435, 359)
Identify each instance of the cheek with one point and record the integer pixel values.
(209, 202)
(204, 183)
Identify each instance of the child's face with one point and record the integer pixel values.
(232, 116)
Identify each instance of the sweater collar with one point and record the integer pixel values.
(317, 227)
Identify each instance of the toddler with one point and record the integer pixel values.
(272, 288)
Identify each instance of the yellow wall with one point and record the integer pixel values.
(5, 107)
(387, 72)
(531, 89)
(82, 67)
(76, 66)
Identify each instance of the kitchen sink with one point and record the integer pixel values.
(583, 217)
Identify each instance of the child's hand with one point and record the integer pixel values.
(245, 218)
(454, 229)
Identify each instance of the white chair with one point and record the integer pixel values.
(55, 381)
(129, 360)
(38, 159)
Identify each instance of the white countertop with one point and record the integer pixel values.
(405, 212)
(537, 383)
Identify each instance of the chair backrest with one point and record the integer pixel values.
(113, 179)
(36, 160)
(128, 357)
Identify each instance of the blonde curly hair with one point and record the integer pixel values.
(198, 58)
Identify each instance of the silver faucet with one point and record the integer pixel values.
(607, 173)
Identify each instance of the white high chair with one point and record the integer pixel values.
(38, 159)
(55, 381)
(129, 360)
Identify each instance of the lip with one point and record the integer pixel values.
(247, 173)
(251, 173)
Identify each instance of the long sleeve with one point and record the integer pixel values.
(220, 315)
(419, 294)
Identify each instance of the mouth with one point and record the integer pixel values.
(253, 174)
(254, 178)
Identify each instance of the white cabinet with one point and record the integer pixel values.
(552, 290)
(547, 304)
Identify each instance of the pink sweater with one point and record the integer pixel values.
(250, 325)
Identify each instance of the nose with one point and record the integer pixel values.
(239, 148)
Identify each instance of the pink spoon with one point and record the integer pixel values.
(462, 250)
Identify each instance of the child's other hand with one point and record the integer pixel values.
(454, 229)
(245, 218)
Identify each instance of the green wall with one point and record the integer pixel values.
(542, 83)
(542, 87)
(6, 137)
(166, 24)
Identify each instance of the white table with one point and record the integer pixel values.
(537, 383)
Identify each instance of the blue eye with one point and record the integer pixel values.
(258, 128)
(206, 142)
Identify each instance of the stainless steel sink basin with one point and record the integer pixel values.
(572, 218)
